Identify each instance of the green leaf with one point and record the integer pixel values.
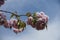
(34, 14)
(12, 15)
(21, 24)
(28, 14)
(34, 21)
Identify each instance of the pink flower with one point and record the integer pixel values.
(17, 30)
(2, 18)
(44, 17)
(13, 22)
(40, 25)
(38, 15)
(29, 21)
(6, 24)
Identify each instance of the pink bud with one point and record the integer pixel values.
(6, 24)
(29, 21)
(15, 24)
(17, 30)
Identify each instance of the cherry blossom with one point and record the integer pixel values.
(40, 20)
(29, 22)
(2, 18)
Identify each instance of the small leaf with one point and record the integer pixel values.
(34, 14)
(23, 25)
(28, 14)
(18, 17)
(34, 21)
(12, 15)
(19, 24)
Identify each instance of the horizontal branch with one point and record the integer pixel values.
(11, 13)
(5, 11)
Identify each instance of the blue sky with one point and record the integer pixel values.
(50, 7)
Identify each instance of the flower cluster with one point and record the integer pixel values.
(38, 20)
(16, 25)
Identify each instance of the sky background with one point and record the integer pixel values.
(50, 7)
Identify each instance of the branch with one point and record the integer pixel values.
(11, 13)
